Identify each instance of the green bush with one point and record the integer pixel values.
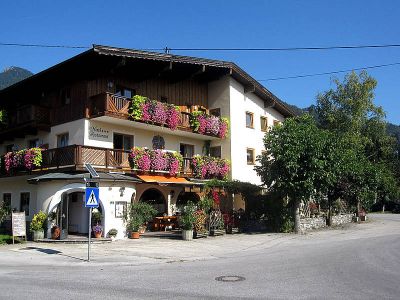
(138, 214)
(38, 221)
(188, 217)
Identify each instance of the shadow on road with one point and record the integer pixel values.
(51, 252)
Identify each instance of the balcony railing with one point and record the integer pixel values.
(75, 156)
(27, 114)
(118, 106)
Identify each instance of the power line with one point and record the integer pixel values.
(43, 46)
(329, 73)
(221, 49)
(289, 48)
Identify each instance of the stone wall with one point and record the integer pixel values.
(320, 222)
(342, 219)
(312, 223)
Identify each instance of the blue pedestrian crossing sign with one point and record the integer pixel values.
(92, 197)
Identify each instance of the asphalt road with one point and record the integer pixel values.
(358, 262)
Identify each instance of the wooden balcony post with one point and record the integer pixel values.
(108, 153)
(78, 155)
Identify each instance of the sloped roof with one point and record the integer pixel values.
(228, 67)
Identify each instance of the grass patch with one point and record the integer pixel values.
(5, 239)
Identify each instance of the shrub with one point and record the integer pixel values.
(113, 232)
(188, 218)
(38, 221)
(138, 214)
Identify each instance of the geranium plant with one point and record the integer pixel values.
(152, 111)
(26, 159)
(208, 124)
(144, 159)
(207, 167)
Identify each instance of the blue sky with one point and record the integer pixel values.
(217, 23)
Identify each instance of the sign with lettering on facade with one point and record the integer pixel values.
(98, 133)
(18, 222)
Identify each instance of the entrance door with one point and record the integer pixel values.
(63, 216)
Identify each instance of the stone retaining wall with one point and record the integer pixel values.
(342, 219)
(320, 222)
(312, 223)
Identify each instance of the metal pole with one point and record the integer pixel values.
(90, 233)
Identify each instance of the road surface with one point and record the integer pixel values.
(357, 262)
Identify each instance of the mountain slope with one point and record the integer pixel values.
(12, 75)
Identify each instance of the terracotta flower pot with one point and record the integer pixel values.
(55, 233)
(135, 235)
(97, 235)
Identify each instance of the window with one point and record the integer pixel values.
(249, 120)
(250, 156)
(24, 203)
(33, 143)
(125, 92)
(215, 112)
(122, 141)
(264, 124)
(65, 96)
(10, 148)
(7, 201)
(62, 140)
(215, 151)
(276, 122)
(186, 150)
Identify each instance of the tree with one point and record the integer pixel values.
(349, 112)
(295, 161)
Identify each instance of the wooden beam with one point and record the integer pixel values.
(249, 89)
(167, 68)
(200, 71)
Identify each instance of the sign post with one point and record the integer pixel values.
(91, 198)
(18, 224)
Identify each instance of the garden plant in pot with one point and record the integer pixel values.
(112, 233)
(138, 214)
(37, 225)
(96, 219)
(187, 220)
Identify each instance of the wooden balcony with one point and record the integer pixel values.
(111, 105)
(27, 119)
(73, 158)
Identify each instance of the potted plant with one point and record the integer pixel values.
(138, 214)
(96, 217)
(37, 225)
(97, 231)
(187, 220)
(112, 233)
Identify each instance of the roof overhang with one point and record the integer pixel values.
(190, 66)
(83, 176)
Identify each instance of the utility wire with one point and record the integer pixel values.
(43, 46)
(288, 48)
(329, 73)
(220, 49)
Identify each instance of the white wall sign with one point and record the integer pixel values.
(18, 224)
(98, 133)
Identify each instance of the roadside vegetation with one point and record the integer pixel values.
(340, 152)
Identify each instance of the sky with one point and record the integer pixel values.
(220, 24)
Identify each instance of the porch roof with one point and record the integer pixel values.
(165, 179)
(67, 176)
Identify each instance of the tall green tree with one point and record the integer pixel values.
(348, 111)
(295, 163)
